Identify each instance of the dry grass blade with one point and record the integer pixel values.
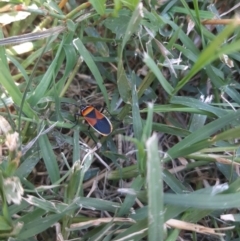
(173, 223)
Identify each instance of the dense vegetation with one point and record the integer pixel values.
(166, 74)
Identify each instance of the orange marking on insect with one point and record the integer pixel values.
(86, 110)
(99, 115)
(91, 121)
(98, 121)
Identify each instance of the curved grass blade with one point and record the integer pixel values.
(93, 67)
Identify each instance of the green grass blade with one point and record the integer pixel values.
(154, 68)
(133, 24)
(147, 130)
(38, 225)
(47, 78)
(204, 201)
(9, 85)
(212, 52)
(99, 6)
(155, 191)
(123, 83)
(198, 105)
(130, 199)
(93, 67)
(137, 121)
(204, 132)
(49, 158)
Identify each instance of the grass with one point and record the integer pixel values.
(170, 84)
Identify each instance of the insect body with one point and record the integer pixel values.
(96, 120)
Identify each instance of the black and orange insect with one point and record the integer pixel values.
(98, 121)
